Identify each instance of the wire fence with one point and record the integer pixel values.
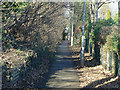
(11, 75)
(110, 60)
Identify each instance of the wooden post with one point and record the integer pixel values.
(108, 60)
(110, 68)
(116, 64)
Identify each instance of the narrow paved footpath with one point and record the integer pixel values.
(62, 73)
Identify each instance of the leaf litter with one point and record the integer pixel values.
(92, 75)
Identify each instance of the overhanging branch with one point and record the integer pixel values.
(102, 4)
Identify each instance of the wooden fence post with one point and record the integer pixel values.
(108, 59)
(115, 64)
(110, 68)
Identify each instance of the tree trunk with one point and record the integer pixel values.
(97, 52)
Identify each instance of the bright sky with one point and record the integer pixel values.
(113, 8)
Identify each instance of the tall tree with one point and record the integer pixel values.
(108, 15)
(83, 38)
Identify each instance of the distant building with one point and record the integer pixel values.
(112, 6)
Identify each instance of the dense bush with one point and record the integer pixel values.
(113, 39)
(31, 25)
(100, 30)
(30, 28)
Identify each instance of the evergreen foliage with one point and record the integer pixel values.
(108, 15)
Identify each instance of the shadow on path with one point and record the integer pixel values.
(62, 73)
(101, 83)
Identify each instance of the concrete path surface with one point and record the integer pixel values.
(62, 73)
